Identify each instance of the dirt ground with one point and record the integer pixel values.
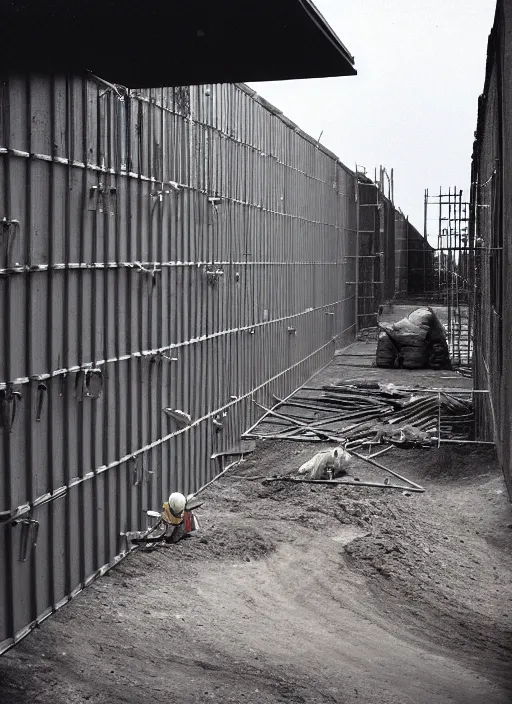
(301, 594)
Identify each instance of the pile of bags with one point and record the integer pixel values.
(415, 342)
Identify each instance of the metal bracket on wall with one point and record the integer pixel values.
(140, 268)
(160, 356)
(103, 199)
(110, 200)
(8, 231)
(89, 384)
(165, 191)
(8, 403)
(182, 418)
(218, 421)
(331, 316)
(213, 274)
(244, 447)
(28, 526)
(62, 385)
(41, 389)
(137, 470)
(95, 201)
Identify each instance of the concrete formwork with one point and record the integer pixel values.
(163, 250)
(491, 238)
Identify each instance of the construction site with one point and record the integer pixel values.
(254, 424)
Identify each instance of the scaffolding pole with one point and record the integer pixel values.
(452, 258)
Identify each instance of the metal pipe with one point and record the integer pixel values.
(341, 482)
(386, 469)
(465, 442)
(443, 391)
(275, 436)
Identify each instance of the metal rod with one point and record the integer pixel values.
(466, 442)
(343, 482)
(386, 469)
(356, 295)
(439, 421)
(218, 476)
(304, 386)
(443, 391)
(336, 439)
(380, 452)
(174, 346)
(274, 436)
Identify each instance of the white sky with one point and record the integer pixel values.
(413, 104)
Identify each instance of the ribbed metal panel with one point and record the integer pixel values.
(491, 244)
(193, 247)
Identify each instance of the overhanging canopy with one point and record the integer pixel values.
(172, 42)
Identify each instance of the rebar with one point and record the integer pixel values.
(452, 268)
(344, 482)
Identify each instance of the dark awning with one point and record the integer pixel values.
(172, 42)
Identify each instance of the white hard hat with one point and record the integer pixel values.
(177, 503)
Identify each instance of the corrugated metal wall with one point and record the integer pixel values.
(187, 249)
(491, 237)
(182, 248)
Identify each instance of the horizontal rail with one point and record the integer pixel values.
(167, 348)
(143, 266)
(229, 137)
(23, 509)
(173, 185)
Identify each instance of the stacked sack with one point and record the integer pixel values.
(387, 353)
(419, 341)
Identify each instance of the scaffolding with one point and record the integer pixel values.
(375, 245)
(453, 268)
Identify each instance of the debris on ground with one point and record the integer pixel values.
(357, 412)
(406, 436)
(465, 370)
(288, 579)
